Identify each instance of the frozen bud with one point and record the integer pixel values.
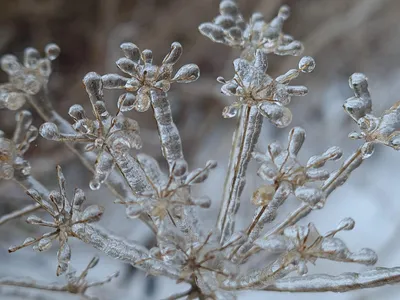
(79, 198)
(355, 135)
(279, 115)
(296, 232)
(367, 150)
(188, 73)
(229, 88)
(357, 107)
(333, 153)
(274, 149)
(9, 64)
(358, 82)
(77, 112)
(333, 246)
(213, 32)
(28, 241)
(31, 57)
(235, 33)
(64, 253)
(225, 22)
(284, 12)
(92, 213)
(211, 164)
(203, 202)
(261, 60)
(263, 195)
(302, 268)
(13, 100)
(52, 51)
(174, 55)
(180, 168)
(230, 111)
(131, 51)
(297, 90)
(143, 101)
(147, 56)
(346, 224)
(126, 102)
(94, 85)
(34, 220)
(228, 7)
(317, 174)
(94, 184)
(135, 210)
(315, 198)
(294, 48)
(49, 131)
(114, 81)
(221, 79)
(365, 256)
(307, 64)
(267, 171)
(256, 17)
(31, 85)
(127, 66)
(196, 176)
(288, 76)
(297, 136)
(57, 199)
(44, 67)
(44, 244)
(395, 142)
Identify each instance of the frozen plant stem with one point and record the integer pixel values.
(244, 140)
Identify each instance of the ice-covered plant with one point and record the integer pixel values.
(216, 264)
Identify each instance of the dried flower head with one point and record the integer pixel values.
(12, 162)
(374, 130)
(169, 193)
(231, 29)
(299, 245)
(27, 78)
(78, 284)
(144, 75)
(102, 135)
(252, 86)
(200, 259)
(287, 175)
(65, 214)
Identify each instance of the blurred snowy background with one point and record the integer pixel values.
(343, 36)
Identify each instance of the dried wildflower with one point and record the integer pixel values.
(65, 214)
(25, 79)
(299, 245)
(231, 29)
(252, 86)
(12, 162)
(144, 75)
(169, 193)
(100, 135)
(78, 284)
(288, 176)
(374, 130)
(200, 259)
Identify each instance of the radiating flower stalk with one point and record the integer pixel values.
(257, 95)
(213, 263)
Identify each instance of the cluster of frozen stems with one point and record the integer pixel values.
(214, 264)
